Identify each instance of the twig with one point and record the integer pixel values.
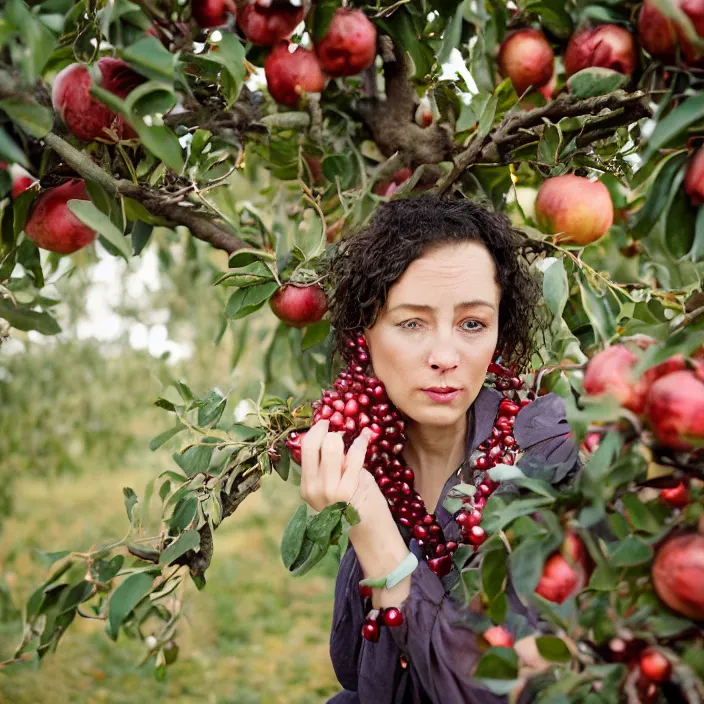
(157, 203)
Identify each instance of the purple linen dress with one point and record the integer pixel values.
(439, 655)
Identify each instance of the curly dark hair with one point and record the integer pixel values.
(369, 262)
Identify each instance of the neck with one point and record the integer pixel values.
(434, 453)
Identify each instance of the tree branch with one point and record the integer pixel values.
(199, 223)
(518, 129)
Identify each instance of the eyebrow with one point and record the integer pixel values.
(465, 304)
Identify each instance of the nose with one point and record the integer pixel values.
(443, 354)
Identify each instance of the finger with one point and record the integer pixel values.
(354, 463)
(310, 454)
(332, 455)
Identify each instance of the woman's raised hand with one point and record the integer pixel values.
(328, 475)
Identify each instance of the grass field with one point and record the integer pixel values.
(255, 634)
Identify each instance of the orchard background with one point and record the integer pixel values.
(175, 177)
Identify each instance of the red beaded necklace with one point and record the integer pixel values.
(357, 401)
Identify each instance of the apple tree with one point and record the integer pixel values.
(270, 131)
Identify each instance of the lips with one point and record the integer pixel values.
(442, 394)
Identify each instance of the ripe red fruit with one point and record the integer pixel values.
(370, 631)
(675, 409)
(661, 35)
(51, 225)
(265, 25)
(607, 45)
(293, 443)
(498, 637)
(655, 666)
(212, 13)
(289, 75)
(678, 575)
(578, 209)
(21, 180)
(349, 47)
(694, 180)
(299, 306)
(526, 57)
(85, 116)
(609, 372)
(676, 496)
(563, 577)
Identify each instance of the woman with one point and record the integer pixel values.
(436, 287)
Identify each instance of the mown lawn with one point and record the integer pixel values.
(255, 634)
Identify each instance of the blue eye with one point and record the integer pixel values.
(473, 329)
(407, 323)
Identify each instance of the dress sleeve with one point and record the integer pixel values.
(347, 620)
(443, 655)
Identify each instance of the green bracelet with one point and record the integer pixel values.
(406, 567)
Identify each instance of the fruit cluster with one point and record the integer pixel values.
(358, 400)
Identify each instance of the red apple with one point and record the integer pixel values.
(607, 45)
(498, 637)
(289, 75)
(657, 34)
(349, 47)
(694, 180)
(85, 116)
(609, 372)
(21, 179)
(563, 577)
(678, 575)
(212, 13)
(676, 496)
(51, 225)
(578, 209)
(675, 410)
(526, 57)
(265, 25)
(299, 306)
(655, 666)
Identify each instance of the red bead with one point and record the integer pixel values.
(408, 475)
(484, 489)
(481, 462)
(462, 519)
(474, 518)
(392, 617)
(480, 503)
(326, 411)
(365, 592)
(451, 546)
(351, 408)
(508, 408)
(477, 535)
(440, 549)
(405, 522)
(370, 631)
(440, 565)
(435, 529)
(428, 520)
(363, 400)
(509, 441)
(420, 532)
(337, 419)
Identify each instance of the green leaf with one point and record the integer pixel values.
(597, 309)
(315, 334)
(35, 119)
(294, 533)
(498, 664)
(556, 287)
(593, 81)
(319, 18)
(696, 254)
(184, 513)
(553, 14)
(499, 519)
(553, 649)
(629, 552)
(686, 114)
(244, 257)
(494, 573)
(549, 144)
(125, 597)
(149, 57)
(248, 300)
(212, 409)
(639, 515)
(402, 27)
(9, 151)
(89, 214)
(151, 98)
(23, 318)
(196, 459)
(189, 540)
(452, 34)
(38, 41)
(130, 501)
(341, 166)
(105, 570)
(141, 232)
(486, 119)
(658, 195)
(232, 53)
(157, 441)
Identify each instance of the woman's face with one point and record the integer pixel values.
(438, 329)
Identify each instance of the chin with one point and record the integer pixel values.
(435, 416)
